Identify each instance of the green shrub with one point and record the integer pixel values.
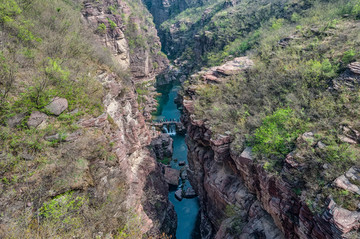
(349, 56)
(183, 27)
(64, 210)
(113, 10)
(356, 10)
(295, 17)
(277, 133)
(8, 9)
(318, 71)
(277, 24)
(112, 24)
(165, 161)
(101, 28)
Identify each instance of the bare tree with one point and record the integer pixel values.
(7, 75)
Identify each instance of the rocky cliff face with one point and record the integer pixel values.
(127, 30)
(105, 161)
(132, 39)
(264, 203)
(143, 175)
(98, 177)
(162, 10)
(239, 198)
(230, 207)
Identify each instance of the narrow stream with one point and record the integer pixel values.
(187, 209)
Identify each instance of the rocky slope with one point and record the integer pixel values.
(87, 173)
(239, 197)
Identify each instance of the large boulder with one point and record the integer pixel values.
(35, 119)
(189, 193)
(178, 194)
(172, 176)
(57, 106)
(235, 66)
(163, 146)
(344, 219)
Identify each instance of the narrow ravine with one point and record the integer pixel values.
(186, 209)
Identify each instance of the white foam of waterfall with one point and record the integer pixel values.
(171, 130)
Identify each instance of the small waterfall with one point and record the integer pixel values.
(172, 130)
(169, 129)
(165, 129)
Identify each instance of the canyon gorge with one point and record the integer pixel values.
(211, 119)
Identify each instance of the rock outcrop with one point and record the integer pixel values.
(132, 39)
(172, 176)
(349, 181)
(217, 74)
(117, 25)
(355, 67)
(221, 189)
(162, 146)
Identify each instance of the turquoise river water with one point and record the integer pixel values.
(187, 209)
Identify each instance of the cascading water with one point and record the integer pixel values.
(169, 129)
(165, 129)
(172, 130)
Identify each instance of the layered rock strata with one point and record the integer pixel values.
(133, 41)
(240, 199)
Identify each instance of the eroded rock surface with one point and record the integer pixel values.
(143, 60)
(223, 179)
(36, 118)
(172, 176)
(218, 74)
(57, 105)
(349, 181)
(163, 146)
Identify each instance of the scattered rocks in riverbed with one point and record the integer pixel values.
(183, 175)
(189, 193)
(172, 176)
(182, 163)
(178, 194)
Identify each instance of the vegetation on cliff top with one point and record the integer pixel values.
(215, 30)
(300, 83)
